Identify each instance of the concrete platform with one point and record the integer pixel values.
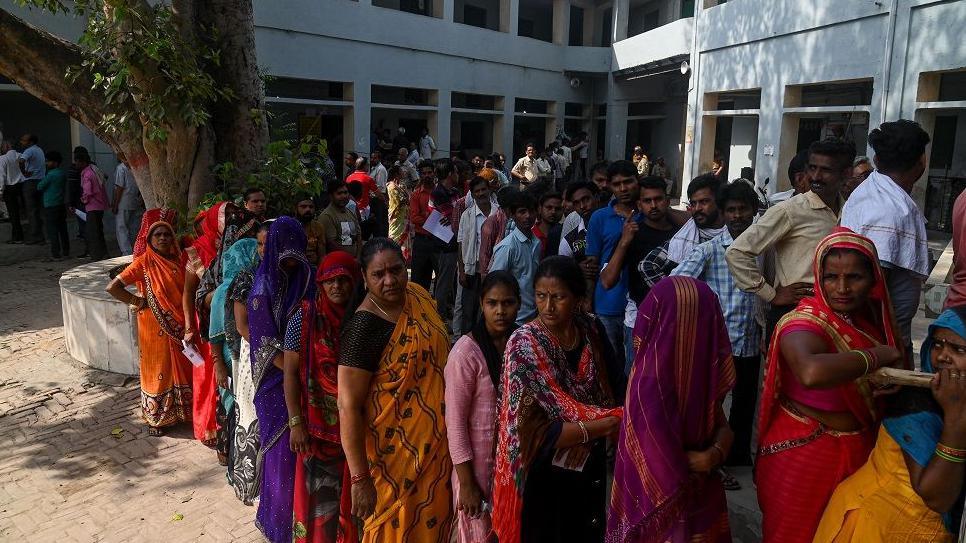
(99, 331)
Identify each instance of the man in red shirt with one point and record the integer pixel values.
(424, 243)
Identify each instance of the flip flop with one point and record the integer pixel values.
(728, 480)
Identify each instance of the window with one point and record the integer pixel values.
(687, 8)
(943, 137)
(526, 28)
(576, 26)
(474, 16)
(605, 33)
(652, 20)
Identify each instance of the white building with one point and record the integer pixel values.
(750, 80)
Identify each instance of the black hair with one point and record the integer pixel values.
(624, 168)
(653, 182)
(601, 167)
(566, 270)
(898, 145)
(353, 155)
(377, 245)
(334, 185)
(463, 168)
(81, 154)
(840, 150)
(476, 180)
(505, 195)
(531, 144)
(797, 164)
(395, 172)
(500, 277)
(355, 190)
(252, 190)
(521, 199)
(550, 195)
(443, 168)
(574, 186)
(840, 251)
(425, 163)
(303, 196)
(737, 191)
(704, 181)
(32, 138)
(54, 156)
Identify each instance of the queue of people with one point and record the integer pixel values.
(542, 376)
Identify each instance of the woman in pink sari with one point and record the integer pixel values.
(674, 431)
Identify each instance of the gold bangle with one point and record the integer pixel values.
(865, 358)
(294, 421)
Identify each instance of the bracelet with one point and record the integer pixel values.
(359, 478)
(952, 451)
(583, 430)
(865, 358)
(294, 421)
(718, 448)
(873, 357)
(949, 458)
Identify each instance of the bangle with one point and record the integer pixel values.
(718, 448)
(952, 451)
(294, 421)
(359, 478)
(865, 358)
(583, 431)
(948, 457)
(873, 357)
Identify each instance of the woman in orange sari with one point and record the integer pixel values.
(818, 416)
(165, 372)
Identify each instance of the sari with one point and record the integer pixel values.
(276, 295)
(165, 372)
(801, 461)
(323, 502)
(221, 327)
(245, 472)
(681, 374)
(539, 391)
(878, 502)
(406, 443)
(400, 229)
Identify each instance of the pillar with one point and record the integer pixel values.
(513, 17)
(360, 125)
(503, 129)
(443, 123)
(561, 22)
(621, 8)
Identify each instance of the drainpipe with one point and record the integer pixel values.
(686, 173)
(887, 59)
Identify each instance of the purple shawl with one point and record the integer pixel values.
(276, 294)
(681, 374)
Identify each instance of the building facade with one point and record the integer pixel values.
(747, 81)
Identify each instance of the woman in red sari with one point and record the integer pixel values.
(818, 416)
(322, 503)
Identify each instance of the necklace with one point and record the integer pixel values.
(373, 300)
(573, 344)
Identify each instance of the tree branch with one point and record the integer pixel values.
(38, 60)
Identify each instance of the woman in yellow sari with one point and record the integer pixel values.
(390, 396)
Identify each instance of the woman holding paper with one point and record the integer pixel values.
(558, 404)
(165, 372)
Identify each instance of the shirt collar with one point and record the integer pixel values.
(816, 202)
(520, 236)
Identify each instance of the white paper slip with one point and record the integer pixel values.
(560, 460)
(80, 214)
(438, 229)
(191, 353)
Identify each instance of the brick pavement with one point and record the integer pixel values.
(63, 475)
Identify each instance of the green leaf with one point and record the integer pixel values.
(177, 517)
(117, 433)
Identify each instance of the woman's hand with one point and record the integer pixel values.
(189, 335)
(221, 373)
(949, 389)
(470, 500)
(605, 427)
(887, 356)
(702, 461)
(298, 439)
(363, 498)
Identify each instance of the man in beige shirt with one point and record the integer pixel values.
(314, 231)
(793, 230)
(529, 169)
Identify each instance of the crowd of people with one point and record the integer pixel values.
(451, 352)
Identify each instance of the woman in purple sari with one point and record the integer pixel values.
(674, 432)
(283, 280)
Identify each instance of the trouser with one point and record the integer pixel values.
(444, 264)
(13, 196)
(905, 292)
(580, 169)
(629, 354)
(468, 300)
(422, 260)
(94, 234)
(614, 326)
(744, 398)
(128, 221)
(34, 200)
(775, 314)
(56, 221)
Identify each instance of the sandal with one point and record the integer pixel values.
(728, 480)
(155, 432)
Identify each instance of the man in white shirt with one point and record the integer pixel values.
(127, 206)
(527, 170)
(377, 171)
(427, 145)
(480, 207)
(11, 182)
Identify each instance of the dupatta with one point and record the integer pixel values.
(815, 314)
(163, 283)
(538, 389)
(681, 374)
(239, 257)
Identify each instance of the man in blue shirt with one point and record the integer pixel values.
(519, 252)
(33, 164)
(603, 234)
(738, 203)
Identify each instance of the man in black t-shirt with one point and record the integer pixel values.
(643, 231)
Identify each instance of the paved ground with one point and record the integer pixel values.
(76, 463)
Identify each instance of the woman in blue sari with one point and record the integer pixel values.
(283, 280)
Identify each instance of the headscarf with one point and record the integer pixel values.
(209, 226)
(537, 389)
(815, 314)
(918, 432)
(240, 256)
(681, 374)
(149, 219)
(321, 326)
(277, 293)
(163, 284)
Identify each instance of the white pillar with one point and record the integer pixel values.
(449, 7)
(513, 17)
(561, 22)
(619, 22)
(358, 140)
(444, 116)
(614, 145)
(503, 130)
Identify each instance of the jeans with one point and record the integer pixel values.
(444, 264)
(13, 197)
(905, 290)
(94, 234)
(614, 326)
(56, 222)
(744, 398)
(34, 200)
(629, 354)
